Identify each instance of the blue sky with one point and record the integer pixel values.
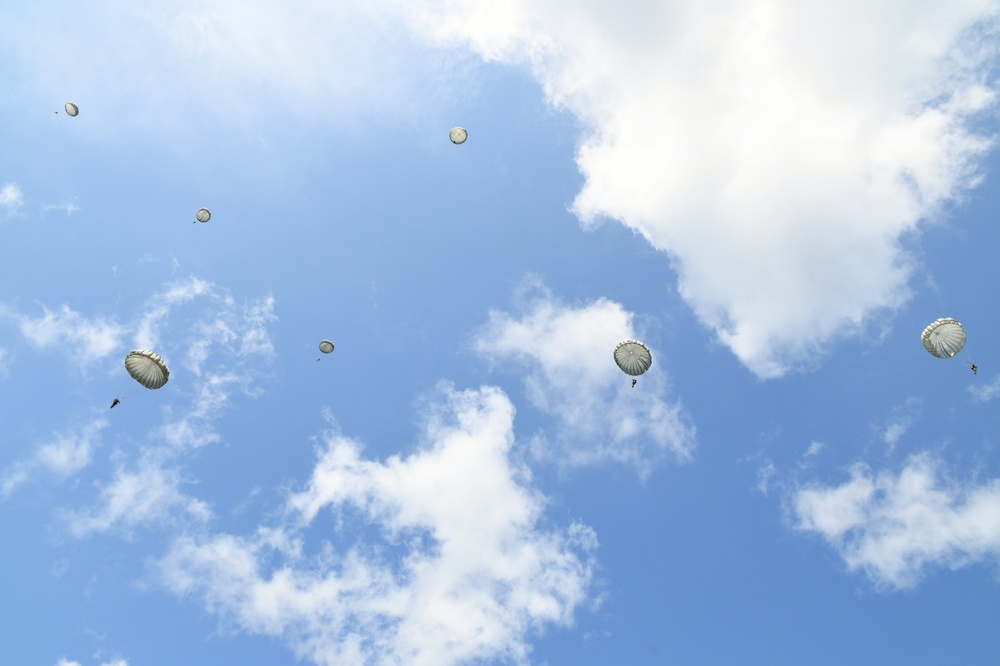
(777, 199)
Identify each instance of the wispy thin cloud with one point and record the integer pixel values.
(475, 571)
(147, 331)
(11, 199)
(899, 422)
(115, 662)
(152, 490)
(149, 492)
(64, 456)
(765, 473)
(986, 392)
(68, 208)
(93, 337)
(565, 355)
(221, 340)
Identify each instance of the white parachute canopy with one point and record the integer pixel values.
(147, 368)
(72, 109)
(326, 346)
(458, 135)
(203, 215)
(633, 357)
(944, 337)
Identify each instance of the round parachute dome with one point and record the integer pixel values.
(326, 346)
(944, 338)
(147, 368)
(633, 357)
(203, 215)
(458, 135)
(71, 109)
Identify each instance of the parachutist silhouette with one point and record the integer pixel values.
(633, 382)
(975, 370)
(116, 401)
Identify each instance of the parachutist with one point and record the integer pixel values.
(633, 358)
(147, 368)
(116, 401)
(975, 370)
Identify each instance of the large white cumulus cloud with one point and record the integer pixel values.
(776, 151)
(462, 569)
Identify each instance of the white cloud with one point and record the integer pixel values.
(239, 329)
(256, 339)
(226, 343)
(63, 457)
(147, 334)
(193, 428)
(894, 526)
(148, 493)
(351, 59)
(11, 199)
(476, 571)
(986, 392)
(776, 153)
(814, 449)
(68, 207)
(566, 353)
(91, 339)
(899, 422)
(764, 475)
(116, 662)
(242, 330)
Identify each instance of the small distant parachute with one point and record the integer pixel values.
(633, 357)
(326, 346)
(944, 338)
(147, 368)
(458, 135)
(203, 215)
(72, 109)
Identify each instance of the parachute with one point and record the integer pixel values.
(147, 368)
(326, 346)
(944, 338)
(633, 357)
(72, 109)
(203, 215)
(458, 135)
